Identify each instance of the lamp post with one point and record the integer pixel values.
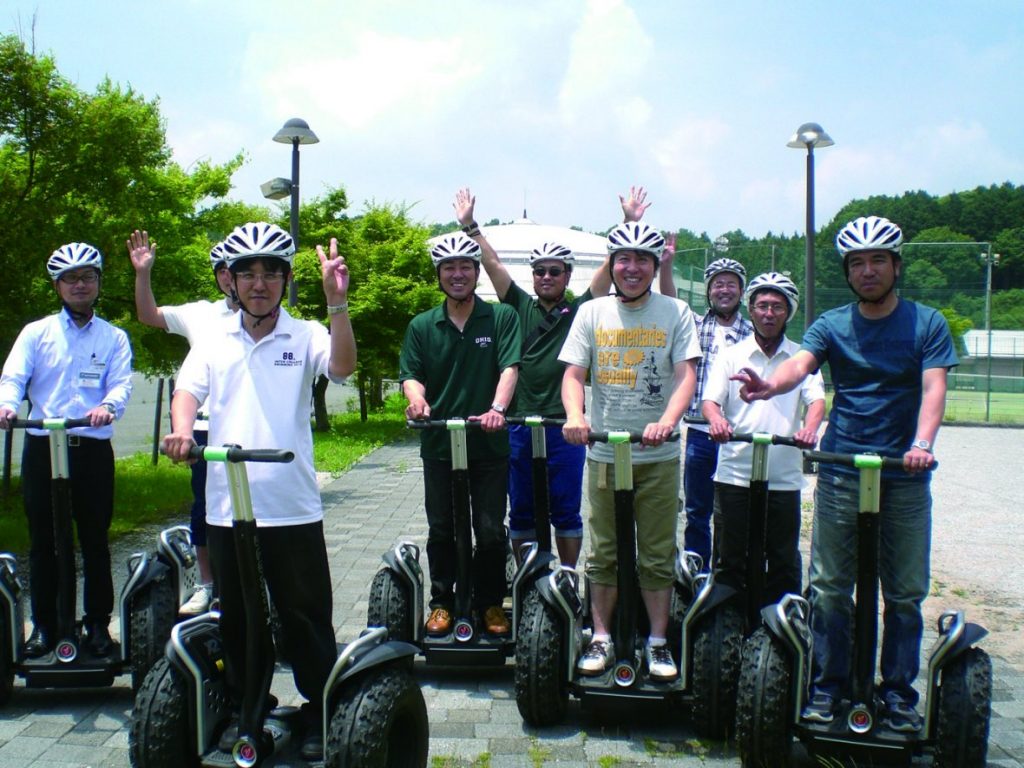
(810, 135)
(296, 131)
(989, 259)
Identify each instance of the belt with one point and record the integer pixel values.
(75, 441)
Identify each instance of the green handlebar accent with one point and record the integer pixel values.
(216, 453)
(454, 425)
(867, 461)
(534, 421)
(761, 438)
(618, 437)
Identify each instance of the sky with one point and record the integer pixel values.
(557, 107)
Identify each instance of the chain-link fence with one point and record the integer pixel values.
(988, 386)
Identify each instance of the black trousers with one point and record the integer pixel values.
(782, 540)
(91, 469)
(488, 491)
(298, 577)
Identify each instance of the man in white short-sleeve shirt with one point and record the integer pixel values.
(256, 373)
(192, 320)
(772, 300)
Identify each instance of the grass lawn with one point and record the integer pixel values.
(144, 493)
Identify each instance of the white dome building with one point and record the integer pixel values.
(514, 243)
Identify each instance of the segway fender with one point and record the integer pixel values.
(11, 606)
(709, 598)
(386, 653)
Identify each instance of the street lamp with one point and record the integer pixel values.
(296, 131)
(989, 259)
(810, 135)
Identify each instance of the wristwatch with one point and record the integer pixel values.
(110, 409)
(498, 408)
(923, 444)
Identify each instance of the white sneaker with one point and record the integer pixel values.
(199, 602)
(596, 659)
(660, 665)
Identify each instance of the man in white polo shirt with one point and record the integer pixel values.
(256, 374)
(190, 320)
(772, 300)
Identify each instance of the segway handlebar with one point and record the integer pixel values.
(535, 421)
(858, 460)
(751, 437)
(50, 423)
(234, 454)
(624, 437)
(441, 424)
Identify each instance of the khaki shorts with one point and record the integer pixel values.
(657, 512)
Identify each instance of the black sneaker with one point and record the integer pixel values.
(820, 709)
(902, 717)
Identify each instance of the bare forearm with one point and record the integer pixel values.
(506, 386)
(343, 347)
(146, 308)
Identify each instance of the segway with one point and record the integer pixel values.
(535, 556)
(372, 711)
(551, 629)
(397, 591)
(148, 604)
(776, 671)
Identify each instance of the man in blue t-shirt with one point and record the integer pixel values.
(889, 359)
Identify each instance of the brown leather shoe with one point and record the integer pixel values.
(496, 622)
(439, 623)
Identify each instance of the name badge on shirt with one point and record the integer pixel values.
(92, 377)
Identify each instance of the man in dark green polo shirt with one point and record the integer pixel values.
(461, 360)
(544, 322)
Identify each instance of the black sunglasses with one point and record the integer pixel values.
(553, 271)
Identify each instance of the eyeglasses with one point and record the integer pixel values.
(553, 271)
(269, 278)
(88, 278)
(775, 309)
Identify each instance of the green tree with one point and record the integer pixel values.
(77, 166)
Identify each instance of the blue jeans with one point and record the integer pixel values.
(699, 491)
(905, 534)
(565, 483)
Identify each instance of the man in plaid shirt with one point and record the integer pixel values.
(721, 326)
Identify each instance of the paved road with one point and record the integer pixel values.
(473, 713)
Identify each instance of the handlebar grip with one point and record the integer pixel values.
(535, 421)
(748, 437)
(857, 460)
(57, 423)
(624, 437)
(235, 454)
(441, 423)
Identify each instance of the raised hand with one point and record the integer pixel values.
(634, 206)
(464, 204)
(140, 251)
(334, 272)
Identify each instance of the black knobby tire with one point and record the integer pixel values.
(154, 609)
(389, 606)
(764, 703)
(159, 736)
(717, 653)
(6, 666)
(964, 710)
(542, 692)
(380, 721)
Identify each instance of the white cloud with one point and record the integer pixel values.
(609, 54)
(377, 79)
(685, 156)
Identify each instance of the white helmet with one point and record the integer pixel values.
(217, 256)
(73, 256)
(718, 266)
(773, 281)
(455, 245)
(636, 236)
(257, 239)
(553, 251)
(869, 233)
